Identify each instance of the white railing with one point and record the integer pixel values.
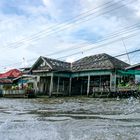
(13, 92)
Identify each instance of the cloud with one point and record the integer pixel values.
(20, 20)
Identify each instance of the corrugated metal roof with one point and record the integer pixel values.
(133, 66)
(95, 62)
(99, 62)
(11, 74)
(57, 64)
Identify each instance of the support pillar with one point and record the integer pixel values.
(100, 86)
(51, 85)
(58, 84)
(35, 87)
(70, 81)
(113, 82)
(88, 85)
(81, 89)
(63, 85)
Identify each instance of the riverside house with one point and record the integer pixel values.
(6, 79)
(97, 73)
(135, 70)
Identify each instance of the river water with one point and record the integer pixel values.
(78, 118)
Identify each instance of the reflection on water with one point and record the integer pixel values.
(69, 119)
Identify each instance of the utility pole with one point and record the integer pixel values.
(126, 51)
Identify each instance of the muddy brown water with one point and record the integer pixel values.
(75, 118)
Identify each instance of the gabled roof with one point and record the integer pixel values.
(52, 64)
(95, 62)
(25, 70)
(57, 64)
(14, 73)
(99, 62)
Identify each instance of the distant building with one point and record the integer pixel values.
(6, 79)
(134, 69)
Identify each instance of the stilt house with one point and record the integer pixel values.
(97, 73)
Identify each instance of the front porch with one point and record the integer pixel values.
(83, 83)
(54, 84)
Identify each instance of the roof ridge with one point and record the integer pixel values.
(132, 66)
(57, 64)
(91, 56)
(54, 59)
(109, 57)
(99, 61)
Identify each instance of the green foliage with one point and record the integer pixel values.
(7, 87)
(29, 87)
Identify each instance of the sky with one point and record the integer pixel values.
(67, 30)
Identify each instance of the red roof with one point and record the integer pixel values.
(14, 73)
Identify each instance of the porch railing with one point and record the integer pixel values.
(14, 92)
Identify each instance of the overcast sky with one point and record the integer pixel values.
(33, 28)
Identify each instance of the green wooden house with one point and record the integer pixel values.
(97, 73)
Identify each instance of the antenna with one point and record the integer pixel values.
(24, 63)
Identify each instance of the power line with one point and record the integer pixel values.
(61, 29)
(99, 41)
(133, 28)
(76, 48)
(65, 21)
(132, 35)
(96, 15)
(85, 46)
(119, 55)
(110, 36)
(116, 56)
(112, 57)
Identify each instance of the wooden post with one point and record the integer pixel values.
(88, 85)
(58, 84)
(100, 86)
(51, 85)
(22, 82)
(81, 88)
(113, 82)
(63, 85)
(35, 85)
(70, 86)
